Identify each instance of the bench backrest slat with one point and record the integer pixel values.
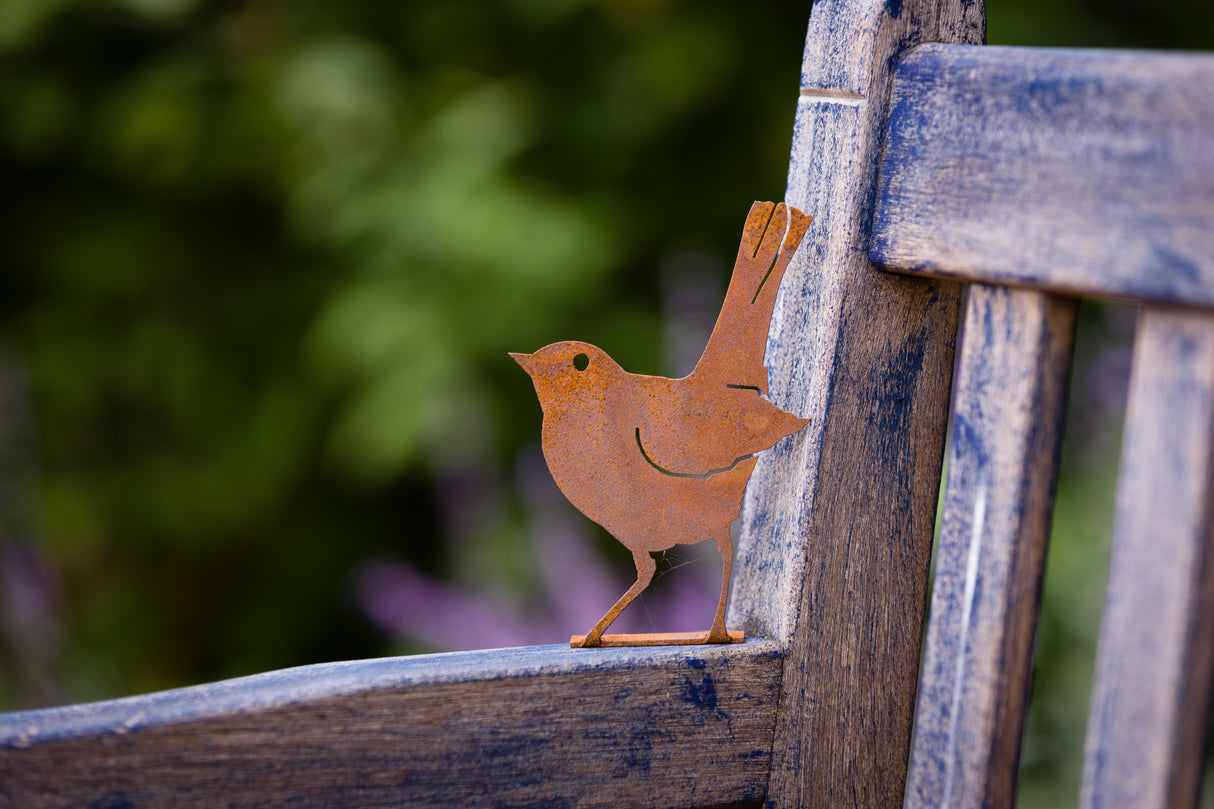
(1007, 429)
(1088, 172)
(1151, 693)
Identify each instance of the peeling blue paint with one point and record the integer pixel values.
(639, 755)
(1175, 266)
(703, 695)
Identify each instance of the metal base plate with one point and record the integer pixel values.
(667, 639)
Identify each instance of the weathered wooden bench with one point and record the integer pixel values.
(1036, 175)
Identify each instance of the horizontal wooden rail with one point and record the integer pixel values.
(538, 726)
(1081, 172)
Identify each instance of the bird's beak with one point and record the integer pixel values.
(522, 359)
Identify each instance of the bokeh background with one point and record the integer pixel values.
(260, 266)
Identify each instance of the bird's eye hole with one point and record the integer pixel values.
(581, 362)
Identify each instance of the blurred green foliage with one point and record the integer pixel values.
(262, 262)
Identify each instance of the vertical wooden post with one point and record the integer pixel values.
(837, 523)
(1153, 666)
(1007, 429)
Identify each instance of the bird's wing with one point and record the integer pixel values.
(734, 353)
(690, 428)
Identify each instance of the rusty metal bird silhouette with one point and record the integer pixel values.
(660, 462)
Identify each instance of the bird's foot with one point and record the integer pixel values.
(718, 634)
(592, 640)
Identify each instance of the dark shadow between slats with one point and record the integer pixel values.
(1051, 759)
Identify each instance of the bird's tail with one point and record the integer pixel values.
(734, 353)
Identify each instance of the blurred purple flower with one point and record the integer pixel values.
(575, 587)
(29, 623)
(30, 593)
(405, 602)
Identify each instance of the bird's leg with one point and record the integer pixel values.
(645, 569)
(725, 546)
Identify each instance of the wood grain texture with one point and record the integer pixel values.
(1152, 688)
(541, 726)
(1087, 172)
(838, 519)
(1007, 429)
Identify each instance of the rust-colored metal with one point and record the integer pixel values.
(661, 462)
(659, 639)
